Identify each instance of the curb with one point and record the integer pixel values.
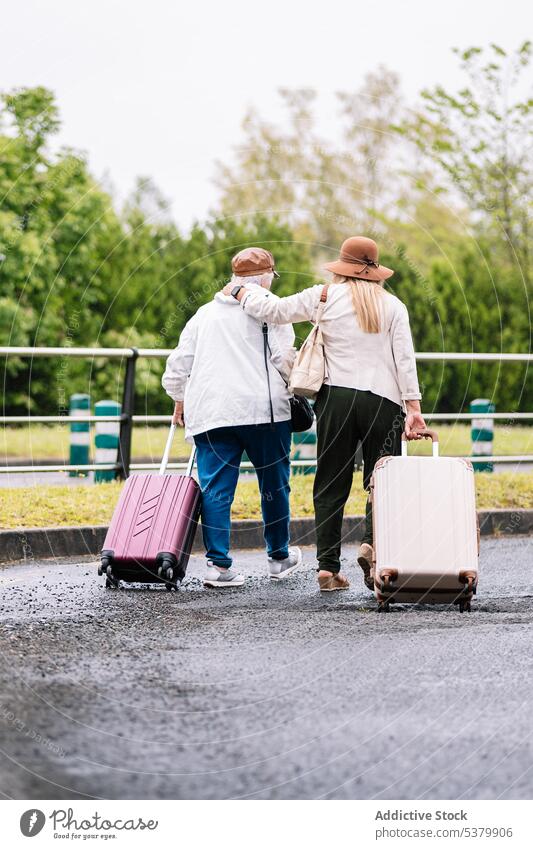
(40, 543)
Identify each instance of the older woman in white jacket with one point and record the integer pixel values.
(370, 393)
(232, 398)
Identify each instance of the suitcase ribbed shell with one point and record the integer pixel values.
(154, 515)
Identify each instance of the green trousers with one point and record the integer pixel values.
(345, 417)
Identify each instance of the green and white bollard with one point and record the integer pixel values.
(106, 439)
(80, 433)
(482, 433)
(305, 449)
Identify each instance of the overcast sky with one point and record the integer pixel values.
(160, 88)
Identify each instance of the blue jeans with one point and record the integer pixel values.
(219, 453)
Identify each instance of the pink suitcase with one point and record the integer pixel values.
(152, 530)
(426, 535)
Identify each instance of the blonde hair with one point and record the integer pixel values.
(367, 301)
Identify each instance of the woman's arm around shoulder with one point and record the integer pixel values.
(267, 306)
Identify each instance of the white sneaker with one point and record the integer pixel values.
(279, 569)
(216, 576)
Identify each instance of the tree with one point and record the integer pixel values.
(362, 180)
(57, 228)
(479, 137)
(74, 270)
(281, 172)
(167, 277)
(462, 306)
(367, 116)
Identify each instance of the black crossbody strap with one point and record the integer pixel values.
(266, 347)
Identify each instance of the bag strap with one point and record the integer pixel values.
(265, 346)
(320, 310)
(322, 302)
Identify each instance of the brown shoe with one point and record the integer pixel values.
(365, 558)
(331, 581)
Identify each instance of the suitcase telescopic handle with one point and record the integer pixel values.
(427, 434)
(166, 455)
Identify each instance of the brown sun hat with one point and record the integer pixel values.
(251, 261)
(359, 257)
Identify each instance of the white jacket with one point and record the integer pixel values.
(218, 368)
(383, 363)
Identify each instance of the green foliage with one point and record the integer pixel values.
(446, 191)
(480, 140)
(327, 188)
(34, 114)
(462, 306)
(75, 272)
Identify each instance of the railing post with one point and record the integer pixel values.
(80, 433)
(126, 422)
(482, 433)
(305, 449)
(106, 439)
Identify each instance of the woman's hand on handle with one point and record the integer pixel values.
(177, 418)
(414, 421)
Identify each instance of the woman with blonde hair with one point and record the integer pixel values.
(371, 391)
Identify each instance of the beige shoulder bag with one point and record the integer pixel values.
(309, 369)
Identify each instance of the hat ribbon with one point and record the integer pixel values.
(364, 262)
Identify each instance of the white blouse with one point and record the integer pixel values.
(383, 363)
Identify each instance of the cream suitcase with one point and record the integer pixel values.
(426, 536)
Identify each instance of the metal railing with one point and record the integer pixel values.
(128, 418)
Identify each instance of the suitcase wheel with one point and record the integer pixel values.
(166, 573)
(103, 568)
(111, 581)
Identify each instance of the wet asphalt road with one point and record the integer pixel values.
(272, 691)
